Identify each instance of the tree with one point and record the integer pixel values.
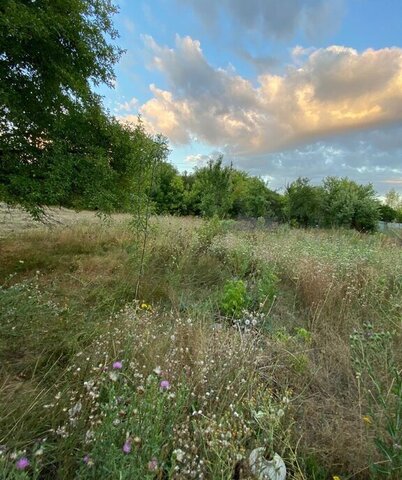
(387, 213)
(51, 53)
(303, 203)
(251, 197)
(168, 190)
(211, 190)
(393, 199)
(348, 204)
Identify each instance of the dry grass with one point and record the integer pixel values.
(332, 284)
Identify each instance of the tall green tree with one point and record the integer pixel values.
(251, 197)
(303, 203)
(167, 192)
(348, 204)
(52, 52)
(212, 187)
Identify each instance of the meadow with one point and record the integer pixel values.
(175, 352)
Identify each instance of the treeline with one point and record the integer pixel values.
(220, 190)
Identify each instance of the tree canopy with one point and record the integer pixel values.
(56, 140)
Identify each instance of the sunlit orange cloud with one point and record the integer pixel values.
(327, 92)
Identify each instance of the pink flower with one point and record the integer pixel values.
(127, 446)
(88, 460)
(165, 385)
(118, 365)
(22, 463)
(153, 465)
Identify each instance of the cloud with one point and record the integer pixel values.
(363, 156)
(261, 63)
(331, 91)
(393, 181)
(333, 111)
(271, 18)
(201, 159)
(128, 106)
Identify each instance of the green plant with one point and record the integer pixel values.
(266, 288)
(234, 298)
(380, 381)
(207, 232)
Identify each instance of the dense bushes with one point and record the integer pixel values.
(222, 191)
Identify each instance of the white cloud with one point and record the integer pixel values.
(128, 106)
(333, 90)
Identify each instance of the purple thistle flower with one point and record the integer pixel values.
(127, 446)
(22, 463)
(153, 465)
(118, 365)
(165, 385)
(86, 459)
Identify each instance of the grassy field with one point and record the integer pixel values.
(178, 359)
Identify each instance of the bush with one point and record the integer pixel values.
(234, 298)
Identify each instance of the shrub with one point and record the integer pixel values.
(234, 298)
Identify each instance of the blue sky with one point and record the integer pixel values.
(282, 88)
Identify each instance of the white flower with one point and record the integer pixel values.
(179, 454)
(75, 410)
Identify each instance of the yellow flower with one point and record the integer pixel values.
(367, 419)
(335, 477)
(145, 306)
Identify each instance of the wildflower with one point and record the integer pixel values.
(127, 446)
(165, 385)
(335, 477)
(118, 365)
(113, 376)
(157, 370)
(367, 419)
(75, 409)
(22, 463)
(88, 460)
(179, 454)
(153, 465)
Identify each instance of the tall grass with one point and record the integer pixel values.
(178, 383)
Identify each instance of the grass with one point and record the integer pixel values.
(283, 339)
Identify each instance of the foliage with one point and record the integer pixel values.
(212, 187)
(393, 199)
(371, 352)
(339, 202)
(57, 144)
(303, 203)
(234, 298)
(347, 204)
(387, 213)
(167, 193)
(266, 288)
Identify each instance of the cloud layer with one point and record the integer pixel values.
(325, 92)
(270, 18)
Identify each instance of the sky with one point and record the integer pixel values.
(282, 88)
